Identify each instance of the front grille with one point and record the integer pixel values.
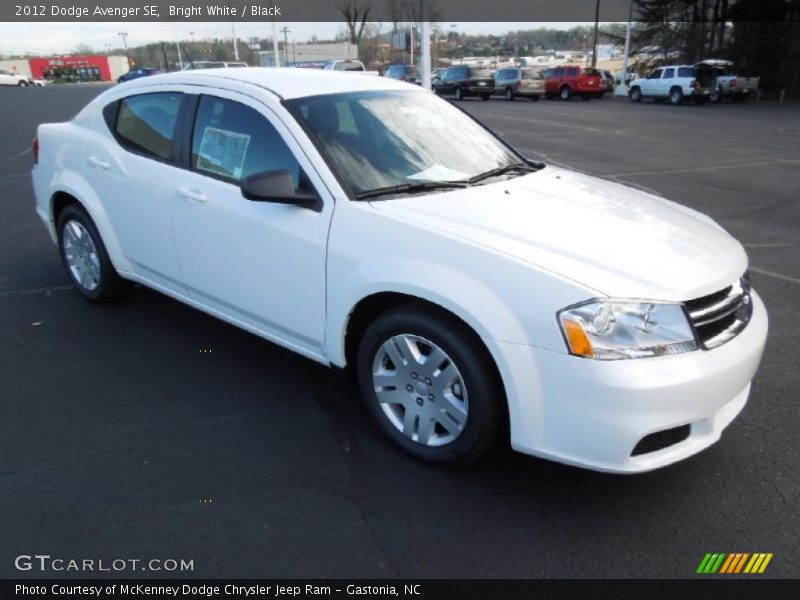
(721, 316)
(661, 439)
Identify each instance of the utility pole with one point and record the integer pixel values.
(285, 31)
(596, 25)
(627, 45)
(275, 44)
(425, 47)
(178, 46)
(235, 45)
(124, 36)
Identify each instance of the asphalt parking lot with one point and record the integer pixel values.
(147, 429)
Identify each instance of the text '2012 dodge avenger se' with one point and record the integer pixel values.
(369, 225)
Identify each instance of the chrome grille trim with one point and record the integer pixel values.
(720, 317)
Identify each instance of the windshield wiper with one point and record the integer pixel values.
(527, 168)
(411, 188)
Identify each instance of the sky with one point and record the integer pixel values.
(54, 38)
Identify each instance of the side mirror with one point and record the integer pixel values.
(278, 187)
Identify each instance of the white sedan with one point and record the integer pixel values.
(368, 225)
(11, 78)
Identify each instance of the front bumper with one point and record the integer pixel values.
(592, 413)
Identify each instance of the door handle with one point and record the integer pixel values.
(97, 162)
(193, 194)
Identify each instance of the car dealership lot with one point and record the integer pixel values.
(149, 430)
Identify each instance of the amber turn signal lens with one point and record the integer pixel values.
(576, 336)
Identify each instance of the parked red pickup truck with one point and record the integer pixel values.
(570, 79)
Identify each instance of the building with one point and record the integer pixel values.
(93, 67)
(309, 54)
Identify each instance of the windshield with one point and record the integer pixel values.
(380, 139)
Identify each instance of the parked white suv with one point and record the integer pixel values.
(369, 225)
(675, 82)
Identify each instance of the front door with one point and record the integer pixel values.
(260, 263)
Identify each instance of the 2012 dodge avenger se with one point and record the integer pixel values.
(369, 225)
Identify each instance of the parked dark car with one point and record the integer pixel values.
(568, 80)
(606, 83)
(462, 81)
(136, 73)
(408, 73)
(519, 81)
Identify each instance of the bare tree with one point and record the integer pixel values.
(395, 10)
(355, 13)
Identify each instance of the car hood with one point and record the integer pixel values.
(614, 239)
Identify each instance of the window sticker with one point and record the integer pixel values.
(222, 152)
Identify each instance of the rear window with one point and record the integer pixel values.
(480, 72)
(532, 74)
(146, 123)
(685, 72)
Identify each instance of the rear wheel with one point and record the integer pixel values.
(676, 95)
(565, 93)
(459, 94)
(429, 385)
(85, 258)
(509, 94)
(635, 94)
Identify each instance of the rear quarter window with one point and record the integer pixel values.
(146, 123)
(685, 72)
(572, 72)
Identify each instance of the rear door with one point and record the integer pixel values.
(130, 159)
(260, 263)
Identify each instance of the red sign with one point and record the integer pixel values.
(41, 65)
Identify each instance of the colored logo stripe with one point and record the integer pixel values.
(734, 562)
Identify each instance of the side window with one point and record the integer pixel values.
(572, 72)
(233, 141)
(655, 74)
(146, 123)
(668, 74)
(685, 72)
(559, 72)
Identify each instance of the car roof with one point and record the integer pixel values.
(282, 81)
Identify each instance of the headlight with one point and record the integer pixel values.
(616, 329)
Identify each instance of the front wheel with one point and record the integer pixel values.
(565, 93)
(23, 84)
(635, 94)
(429, 385)
(509, 94)
(459, 94)
(85, 258)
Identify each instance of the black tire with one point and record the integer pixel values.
(536, 97)
(485, 97)
(484, 391)
(635, 94)
(675, 95)
(23, 84)
(459, 94)
(509, 94)
(110, 286)
(565, 93)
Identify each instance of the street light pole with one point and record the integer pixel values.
(124, 36)
(596, 25)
